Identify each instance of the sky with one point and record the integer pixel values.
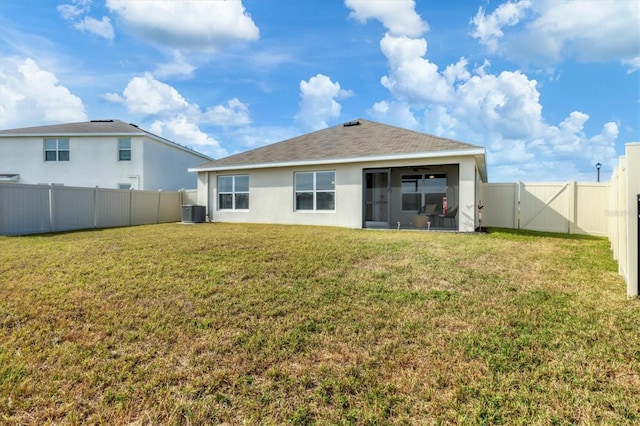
(548, 87)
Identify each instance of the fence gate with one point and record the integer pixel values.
(567, 207)
(546, 207)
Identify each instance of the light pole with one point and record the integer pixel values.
(598, 165)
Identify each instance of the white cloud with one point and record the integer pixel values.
(74, 13)
(318, 101)
(178, 67)
(396, 111)
(489, 28)
(148, 96)
(234, 114)
(398, 16)
(33, 95)
(507, 103)
(177, 119)
(500, 111)
(185, 131)
(100, 28)
(187, 25)
(413, 78)
(547, 32)
(75, 9)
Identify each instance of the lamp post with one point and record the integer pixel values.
(598, 165)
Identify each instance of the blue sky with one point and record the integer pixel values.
(550, 88)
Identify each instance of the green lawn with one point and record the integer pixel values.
(255, 324)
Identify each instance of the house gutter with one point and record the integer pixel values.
(386, 157)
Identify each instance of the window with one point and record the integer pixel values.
(124, 186)
(411, 192)
(419, 190)
(56, 149)
(124, 149)
(233, 192)
(315, 190)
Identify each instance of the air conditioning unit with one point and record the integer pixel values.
(192, 213)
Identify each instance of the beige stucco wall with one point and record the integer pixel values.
(272, 196)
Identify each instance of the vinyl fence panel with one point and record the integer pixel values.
(32, 209)
(24, 209)
(144, 207)
(500, 202)
(189, 196)
(113, 208)
(592, 205)
(170, 208)
(72, 208)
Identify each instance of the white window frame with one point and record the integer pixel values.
(122, 149)
(57, 150)
(234, 193)
(314, 191)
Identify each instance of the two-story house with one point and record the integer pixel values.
(104, 153)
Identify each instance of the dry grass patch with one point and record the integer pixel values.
(255, 324)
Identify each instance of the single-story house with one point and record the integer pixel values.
(360, 174)
(104, 153)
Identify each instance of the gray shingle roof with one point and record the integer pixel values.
(368, 139)
(83, 128)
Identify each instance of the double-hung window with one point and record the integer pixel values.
(124, 149)
(56, 149)
(233, 192)
(315, 190)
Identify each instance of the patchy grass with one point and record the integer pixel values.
(255, 324)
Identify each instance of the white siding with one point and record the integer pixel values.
(93, 161)
(165, 167)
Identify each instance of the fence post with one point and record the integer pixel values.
(572, 213)
(130, 206)
(516, 211)
(51, 209)
(95, 207)
(158, 209)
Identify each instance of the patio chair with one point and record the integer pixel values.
(425, 216)
(451, 215)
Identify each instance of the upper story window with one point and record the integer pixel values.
(233, 192)
(124, 149)
(56, 149)
(315, 190)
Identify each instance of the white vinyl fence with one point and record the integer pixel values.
(570, 207)
(610, 209)
(623, 216)
(33, 209)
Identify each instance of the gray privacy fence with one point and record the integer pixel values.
(34, 209)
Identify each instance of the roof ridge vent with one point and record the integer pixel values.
(102, 121)
(351, 123)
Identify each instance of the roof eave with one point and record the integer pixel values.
(44, 135)
(324, 162)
